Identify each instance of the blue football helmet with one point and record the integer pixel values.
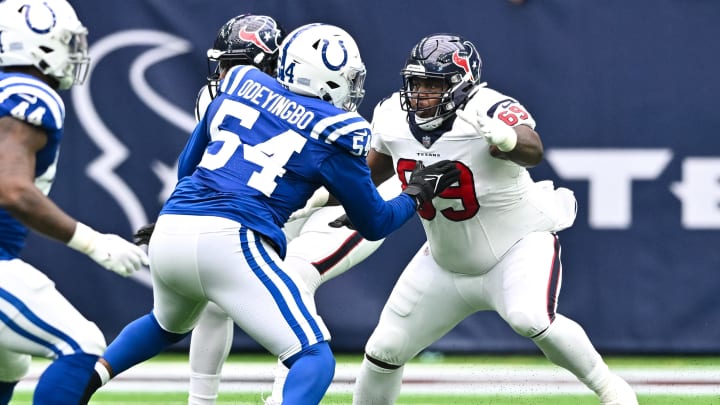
(449, 57)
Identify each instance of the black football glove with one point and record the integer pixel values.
(427, 182)
(341, 221)
(142, 236)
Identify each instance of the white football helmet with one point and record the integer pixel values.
(46, 34)
(323, 61)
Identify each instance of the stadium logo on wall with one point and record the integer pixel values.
(114, 150)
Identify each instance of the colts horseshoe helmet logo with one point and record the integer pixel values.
(40, 19)
(327, 63)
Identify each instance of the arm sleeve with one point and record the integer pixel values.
(348, 179)
(193, 151)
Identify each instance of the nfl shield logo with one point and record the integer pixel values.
(426, 141)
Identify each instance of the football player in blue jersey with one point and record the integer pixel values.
(316, 251)
(263, 147)
(246, 39)
(43, 48)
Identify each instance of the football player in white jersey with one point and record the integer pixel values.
(316, 251)
(491, 238)
(43, 48)
(263, 147)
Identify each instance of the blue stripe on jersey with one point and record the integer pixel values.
(331, 128)
(293, 289)
(35, 320)
(273, 289)
(234, 77)
(11, 84)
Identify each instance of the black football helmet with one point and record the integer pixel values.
(444, 56)
(245, 40)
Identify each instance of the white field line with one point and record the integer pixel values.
(421, 378)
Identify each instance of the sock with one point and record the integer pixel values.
(63, 381)
(376, 385)
(6, 391)
(209, 347)
(99, 377)
(281, 373)
(310, 375)
(102, 373)
(140, 340)
(203, 388)
(565, 343)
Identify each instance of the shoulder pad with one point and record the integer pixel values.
(349, 130)
(28, 99)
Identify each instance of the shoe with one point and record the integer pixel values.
(271, 400)
(618, 392)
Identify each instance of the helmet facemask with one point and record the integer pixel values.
(76, 67)
(354, 87)
(450, 60)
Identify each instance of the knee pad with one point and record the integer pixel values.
(14, 366)
(389, 346)
(527, 324)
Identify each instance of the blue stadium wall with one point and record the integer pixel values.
(624, 93)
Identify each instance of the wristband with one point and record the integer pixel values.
(508, 144)
(83, 238)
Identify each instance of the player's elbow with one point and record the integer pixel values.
(374, 237)
(15, 195)
(534, 158)
(371, 236)
(371, 233)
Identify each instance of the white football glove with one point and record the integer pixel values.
(494, 131)
(109, 250)
(317, 200)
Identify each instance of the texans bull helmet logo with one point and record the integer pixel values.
(462, 59)
(261, 35)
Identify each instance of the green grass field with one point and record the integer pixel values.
(682, 366)
(174, 398)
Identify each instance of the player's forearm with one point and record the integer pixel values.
(375, 224)
(528, 151)
(36, 211)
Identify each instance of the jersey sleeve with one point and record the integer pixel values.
(202, 101)
(504, 108)
(29, 100)
(193, 151)
(381, 113)
(349, 131)
(348, 179)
